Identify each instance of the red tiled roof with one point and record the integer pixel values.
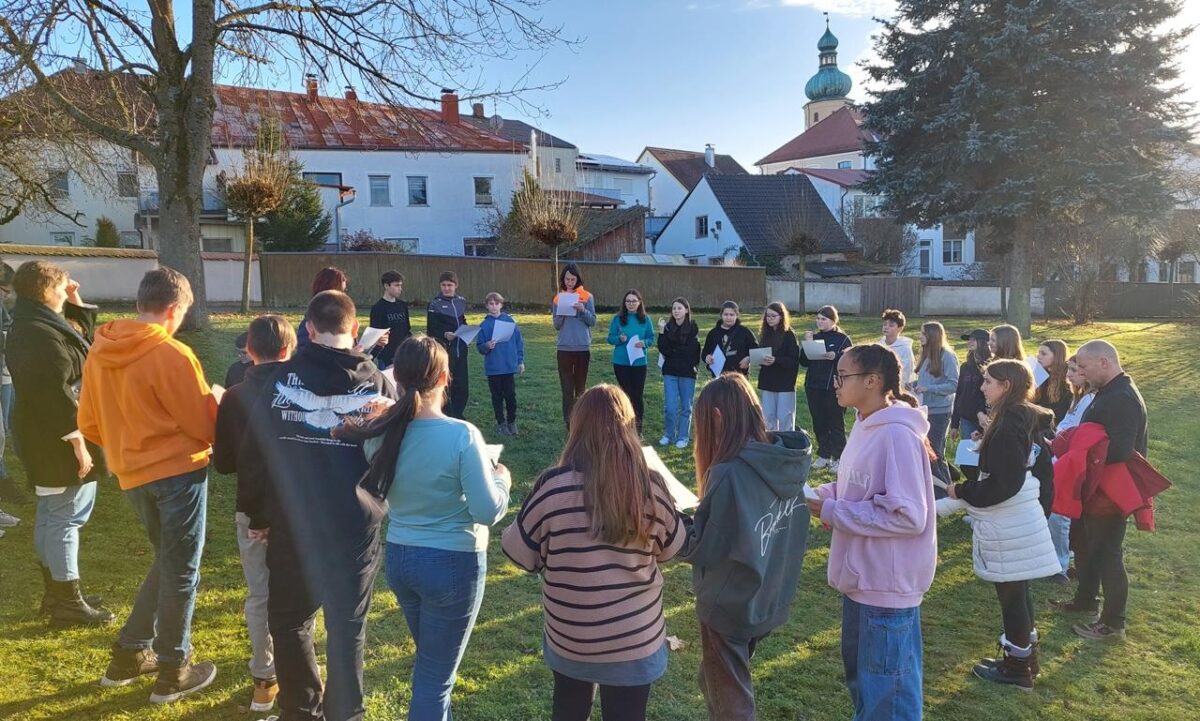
(339, 124)
(845, 177)
(840, 132)
(688, 166)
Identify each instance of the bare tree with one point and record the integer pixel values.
(791, 231)
(151, 89)
(882, 240)
(539, 222)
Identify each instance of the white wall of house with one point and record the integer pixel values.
(856, 160)
(719, 239)
(556, 167)
(630, 188)
(666, 193)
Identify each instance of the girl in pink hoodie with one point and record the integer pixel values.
(884, 546)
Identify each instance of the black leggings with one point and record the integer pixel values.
(829, 421)
(573, 700)
(632, 380)
(1016, 608)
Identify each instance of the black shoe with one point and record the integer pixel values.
(68, 607)
(512, 428)
(1059, 579)
(502, 429)
(48, 598)
(1008, 670)
(1098, 631)
(11, 493)
(127, 664)
(178, 680)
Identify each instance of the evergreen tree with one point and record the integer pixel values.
(1019, 117)
(301, 222)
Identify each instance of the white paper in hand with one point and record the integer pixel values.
(718, 364)
(662, 361)
(493, 452)
(815, 349)
(502, 330)
(1039, 373)
(758, 354)
(370, 336)
(566, 304)
(810, 493)
(683, 498)
(467, 333)
(967, 453)
(635, 353)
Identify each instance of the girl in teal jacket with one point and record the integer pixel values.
(632, 322)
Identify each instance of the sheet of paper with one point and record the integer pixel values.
(815, 349)
(370, 336)
(467, 333)
(635, 353)
(662, 361)
(502, 330)
(1039, 373)
(718, 364)
(810, 493)
(566, 304)
(683, 498)
(493, 452)
(758, 354)
(967, 453)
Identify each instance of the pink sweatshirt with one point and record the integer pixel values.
(882, 512)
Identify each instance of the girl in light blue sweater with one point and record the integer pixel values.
(937, 379)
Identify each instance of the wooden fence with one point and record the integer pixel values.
(287, 278)
(1133, 300)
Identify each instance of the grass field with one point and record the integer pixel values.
(1155, 675)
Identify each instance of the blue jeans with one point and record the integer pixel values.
(1060, 534)
(440, 593)
(173, 512)
(6, 404)
(677, 407)
(939, 424)
(882, 657)
(56, 532)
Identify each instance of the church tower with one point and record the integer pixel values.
(827, 90)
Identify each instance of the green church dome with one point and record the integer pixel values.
(829, 83)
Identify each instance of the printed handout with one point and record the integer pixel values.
(502, 330)
(370, 336)
(684, 499)
(467, 333)
(635, 353)
(815, 349)
(566, 304)
(718, 364)
(757, 355)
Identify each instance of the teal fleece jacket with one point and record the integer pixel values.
(644, 330)
(747, 541)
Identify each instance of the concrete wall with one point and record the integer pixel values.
(952, 299)
(843, 295)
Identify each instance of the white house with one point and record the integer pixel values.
(676, 173)
(613, 177)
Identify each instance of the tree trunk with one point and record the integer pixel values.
(1021, 275)
(248, 265)
(179, 243)
(801, 301)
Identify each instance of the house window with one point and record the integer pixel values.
(693, 261)
(558, 165)
(952, 252)
(701, 226)
(1138, 273)
(1186, 272)
(131, 239)
(60, 185)
(483, 191)
(844, 164)
(1108, 272)
(381, 189)
(1164, 271)
(62, 239)
(815, 116)
(324, 178)
(479, 247)
(624, 185)
(217, 245)
(924, 257)
(418, 190)
(127, 185)
(404, 245)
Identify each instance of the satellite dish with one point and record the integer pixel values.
(495, 123)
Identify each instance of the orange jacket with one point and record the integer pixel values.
(144, 400)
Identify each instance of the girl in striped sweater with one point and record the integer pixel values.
(597, 527)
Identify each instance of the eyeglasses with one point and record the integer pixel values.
(840, 378)
(633, 301)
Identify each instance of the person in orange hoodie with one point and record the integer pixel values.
(145, 401)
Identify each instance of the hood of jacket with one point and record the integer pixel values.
(897, 413)
(783, 465)
(902, 340)
(121, 342)
(330, 371)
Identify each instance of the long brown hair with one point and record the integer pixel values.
(641, 311)
(1081, 390)
(420, 363)
(603, 446)
(720, 439)
(1016, 405)
(329, 279)
(1055, 388)
(1008, 343)
(931, 349)
(770, 337)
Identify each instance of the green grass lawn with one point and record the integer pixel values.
(1155, 675)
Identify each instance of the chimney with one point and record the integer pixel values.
(310, 86)
(449, 107)
(350, 94)
(710, 158)
(477, 109)
(79, 65)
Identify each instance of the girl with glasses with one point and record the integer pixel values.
(631, 327)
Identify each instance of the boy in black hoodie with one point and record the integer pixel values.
(269, 341)
(445, 314)
(323, 537)
(391, 312)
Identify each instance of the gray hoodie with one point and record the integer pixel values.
(939, 390)
(747, 541)
(575, 332)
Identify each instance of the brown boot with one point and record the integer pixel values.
(265, 691)
(1012, 669)
(68, 607)
(127, 664)
(178, 680)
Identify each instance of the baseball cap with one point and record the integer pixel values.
(979, 334)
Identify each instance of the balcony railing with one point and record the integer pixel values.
(213, 204)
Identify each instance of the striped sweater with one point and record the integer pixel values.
(602, 603)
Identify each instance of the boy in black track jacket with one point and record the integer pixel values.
(445, 314)
(391, 312)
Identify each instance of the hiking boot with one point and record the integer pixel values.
(178, 680)
(1074, 607)
(69, 608)
(48, 598)
(127, 664)
(1009, 670)
(1098, 631)
(11, 493)
(265, 691)
(1035, 667)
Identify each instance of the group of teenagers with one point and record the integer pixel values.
(326, 446)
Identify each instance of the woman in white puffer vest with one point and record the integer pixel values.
(1009, 503)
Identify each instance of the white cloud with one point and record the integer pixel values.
(849, 8)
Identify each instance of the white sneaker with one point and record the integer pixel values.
(821, 462)
(681, 443)
(664, 441)
(8, 520)
(1, 533)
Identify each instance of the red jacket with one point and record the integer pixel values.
(1085, 484)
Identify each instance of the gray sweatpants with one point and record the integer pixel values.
(725, 675)
(254, 568)
(779, 410)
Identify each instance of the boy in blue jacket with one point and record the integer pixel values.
(502, 360)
